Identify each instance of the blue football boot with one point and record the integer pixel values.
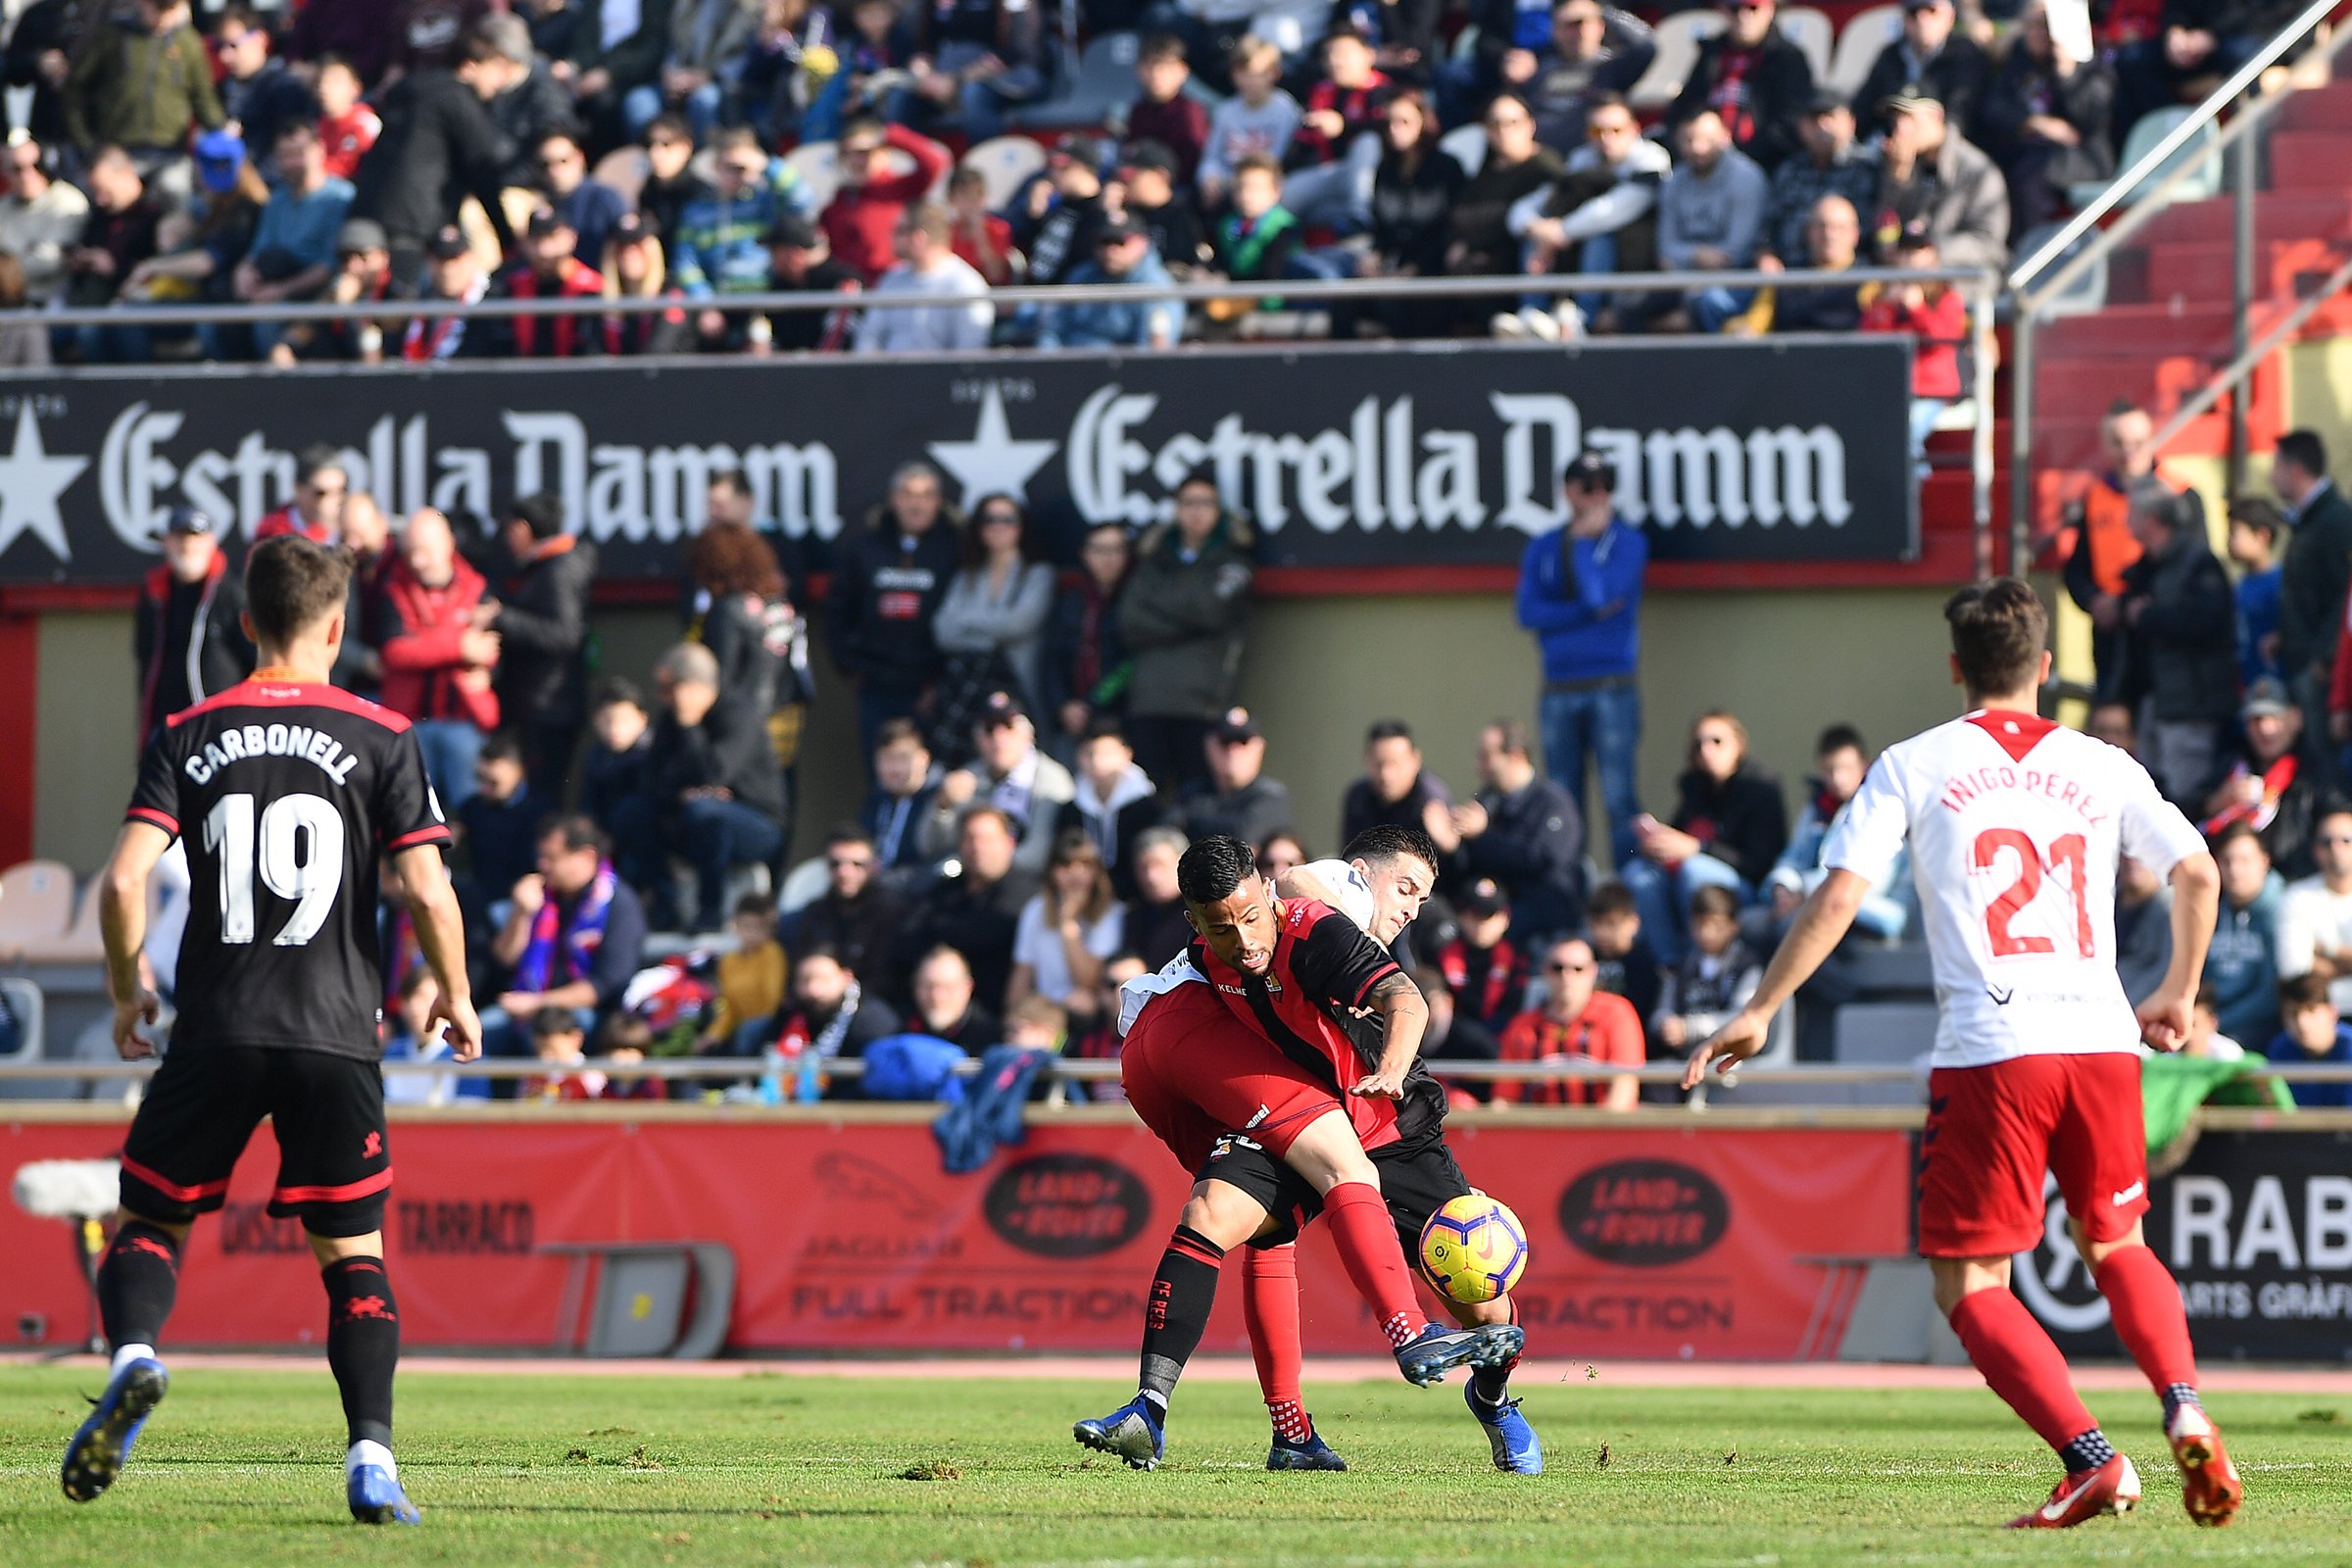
(1429, 1356)
(99, 1450)
(1312, 1454)
(377, 1498)
(1517, 1449)
(1132, 1432)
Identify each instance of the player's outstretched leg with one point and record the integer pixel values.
(1183, 1290)
(138, 1282)
(2020, 1364)
(1367, 1239)
(363, 1348)
(2146, 1305)
(1270, 1311)
(1510, 1436)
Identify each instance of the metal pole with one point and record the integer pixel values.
(1979, 447)
(2241, 297)
(2020, 436)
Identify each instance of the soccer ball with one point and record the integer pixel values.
(1474, 1249)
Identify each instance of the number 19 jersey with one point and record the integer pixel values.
(287, 792)
(2015, 826)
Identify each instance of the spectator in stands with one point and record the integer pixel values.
(1599, 217)
(990, 624)
(1123, 254)
(2180, 647)
(866, 213)
(430, 29)
(2143, 930)
(2202, 42)
(2315, 918)
(140, 83)
(1717, 976)
(368, 540)
(888, 581)
(1935, 182)
(874, 53)
(1148, 197)
(1024, 785)
(498, 824)
(616, 776)
(40, 49)
(720, 245)
(41, 217)
(439, 136)
(1057, 222)
(458, 276)
(1710, 219)
(189, 641)
(437, 666)
(1067, 934)
(980, 239)
(1840, 764)
(1730, 827)
(973, 59)
(802, 262)
(1115, 804)
(1259, 239)
(1237, 800)
(574, 935)
(1257, 121)
(945, 1006)
(976, 908)
(1153, 926)
(321, 488)
(532, 102)
(1327, 182)
(1934, 312)
(552, 269)
(906, 786)
(715, 777)
(1082, 666)
(2312, 580)
(1163, 111)
(1928, 58)
(834, 1015)
(2256, 529)
(2114, 723)
(708, 39)
(1833, 239)
(2102, 546)
(1413, 192)
(117, 234)
(1832, 164)
(1484, 971)
(1520, 830)
(670, 186)
(1629, 967)
(1395, 791)
(2268, 782)
(1515, 168)
(1756, 80)
(1562, 64)
(1576, 1022)
(2241, 966)
(588, 206)
(751, 979)
(1280, 853)
(1182, 620)
(928, 269)
(2047, 120)
(23, 342)
(541, 624)
(352, 28)
(363, 274)
(859, 916)
(1580, 592)
(347, 126)
(256, 91)
(633, 268)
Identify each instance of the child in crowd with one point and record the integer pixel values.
(1629, 967)
(2313, 1033)
(2255, 525)
(1257, 122)
(347, 127)
(2205, 1037)
(1165, 113)
(623, 1041)
(499, 824)
(752, 980)
(980, 239)
(1714, 980)
(559, 1042)
(1485, 973)
(615, 771)
(1337, 148)
(1938, 315)
(1258, 240)
(410, 1039)
(1152, 200)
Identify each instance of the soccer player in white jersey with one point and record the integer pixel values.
(2015, 827)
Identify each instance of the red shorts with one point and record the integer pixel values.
(1993, 1129)
(1194, 1073)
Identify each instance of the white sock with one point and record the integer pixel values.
(124, 1354)
(374, 1453)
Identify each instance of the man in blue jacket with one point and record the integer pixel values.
(1580, 592)
(1123, 254)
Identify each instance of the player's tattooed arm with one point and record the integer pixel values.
(1404, 1017)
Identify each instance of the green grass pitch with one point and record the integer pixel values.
(239, 1469)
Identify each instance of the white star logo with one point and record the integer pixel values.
(30, 484)
(992, 461)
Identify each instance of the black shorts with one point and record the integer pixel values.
(334, 1162)
(1416, 1180)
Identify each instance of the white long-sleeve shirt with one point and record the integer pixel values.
(1645, 168)
(959, 325)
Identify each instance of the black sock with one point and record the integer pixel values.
(2086, 1452)
(2177, 1395)
(1492, 1384)
(362, 1343)
(138, 1282)
(1182, 1292)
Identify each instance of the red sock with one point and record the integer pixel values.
(2149, 1319)
(1270, 1311)
(1367, 1236)
(2021, 1364)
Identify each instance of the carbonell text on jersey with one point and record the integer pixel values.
(1960, 790)
(271, 739)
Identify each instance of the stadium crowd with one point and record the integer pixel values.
(1041, 750)
(412, 151)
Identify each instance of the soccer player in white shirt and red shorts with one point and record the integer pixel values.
(2015, 827)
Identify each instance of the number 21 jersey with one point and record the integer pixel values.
(2015, 827)
(287, 792)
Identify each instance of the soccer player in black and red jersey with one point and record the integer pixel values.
(287, 791)
(1197, 1064)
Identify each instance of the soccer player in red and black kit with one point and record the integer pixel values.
(1252, 1044)
(287, 791)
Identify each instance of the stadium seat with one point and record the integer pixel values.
(2146, 132)
(1104, 81)
(1679, 39)
(36, 906)
(818, 165)
(803, 885)
(2085, 294)
(624, 170)
(1865, 38)
(1004, 162)
(1467, 145)
(78, 942)
(25, 999)
(1812, 32)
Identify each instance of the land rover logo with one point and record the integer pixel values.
(1067, 1205)
(1646, 1213)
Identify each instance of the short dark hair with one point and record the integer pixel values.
(2259, 513)
(2306, 451)
(759, 905)
(842, 833)
(614, 689)
(669, 123)
(476, 50)
(820, 949)
(894, 731)
(305, 129)
(1715, 899)
(579, 831)
(1388, 729)
(734, 479)
(2231, 831)
(1999, 629)
(543, 512)
(1611, 899)
(292, 583)
(1385, 840)
(2309, 990)
(562, 130)
(1840, 738)
(314, 460)
(1159, 46)
(1213, 868)
(501, 745)
(1512, 733)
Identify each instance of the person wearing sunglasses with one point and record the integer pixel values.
(1730, 827)
(1574, 1021)
(1755, 77)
